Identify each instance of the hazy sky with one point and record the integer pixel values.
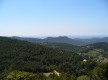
(53, 17)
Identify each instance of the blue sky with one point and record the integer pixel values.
(53, 18)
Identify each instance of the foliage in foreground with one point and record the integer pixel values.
(100, 72)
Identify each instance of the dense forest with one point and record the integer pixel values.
(22, 60)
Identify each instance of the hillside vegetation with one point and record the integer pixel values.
(29, 60)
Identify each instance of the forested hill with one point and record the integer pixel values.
(79, 49)
(25, 56)
(100, 45)
(103, 46)
(38, 58)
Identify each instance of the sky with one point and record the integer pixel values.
(53, 18)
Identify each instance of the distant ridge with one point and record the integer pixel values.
(60, 39)
(63, 39)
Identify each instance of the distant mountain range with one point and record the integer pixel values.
(63, 39)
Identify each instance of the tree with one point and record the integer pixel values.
(18, 75)
(100, 72)
(83, 78)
